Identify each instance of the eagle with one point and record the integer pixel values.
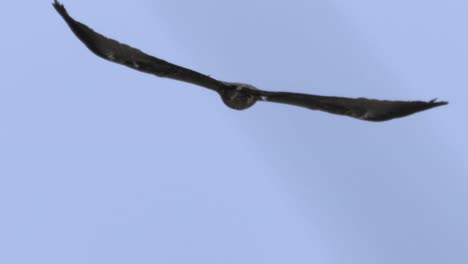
(240, 96)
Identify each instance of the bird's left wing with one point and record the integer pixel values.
(360, 108)
(115, 51)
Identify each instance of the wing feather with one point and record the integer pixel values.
(361, 108)
(115, 51)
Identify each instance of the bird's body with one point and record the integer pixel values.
(239, 96)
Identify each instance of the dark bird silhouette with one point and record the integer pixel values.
(240, 96)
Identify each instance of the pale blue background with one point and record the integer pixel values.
(102, 164)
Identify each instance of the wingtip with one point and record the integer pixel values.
(435, 103)
(60, 8)
(57, 4)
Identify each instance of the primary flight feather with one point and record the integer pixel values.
(239, 96)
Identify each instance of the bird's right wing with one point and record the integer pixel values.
(360, 108)
(115, 51)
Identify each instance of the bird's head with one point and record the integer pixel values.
(238, 96)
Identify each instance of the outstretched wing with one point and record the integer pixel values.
(361, 108)
(115, 51)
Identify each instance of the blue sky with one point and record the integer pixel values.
(103, 164)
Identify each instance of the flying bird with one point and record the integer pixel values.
(240, 96)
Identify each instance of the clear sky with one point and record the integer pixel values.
(103, 164)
